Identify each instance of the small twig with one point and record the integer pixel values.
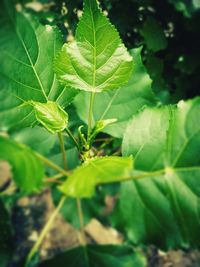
(73, 139)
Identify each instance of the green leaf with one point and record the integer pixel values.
(97, 60)
(26, 66)
(122, 103)
(34, 136)
(28, 171)
(188, 8)
(153, 35)
(98, 256)
(96, 171)
(165, 209)
(51, 116)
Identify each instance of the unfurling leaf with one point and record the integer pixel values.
(96, 171)
(97, 60)
(51, 116)
(99, 126)
(28, 171)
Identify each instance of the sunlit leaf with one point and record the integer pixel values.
(97, 60)
(82, 182)
(51, 116)
(122, 103)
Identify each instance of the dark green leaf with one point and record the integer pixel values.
(98, 256)
(26, 62)
(186, 7)
(153, 35)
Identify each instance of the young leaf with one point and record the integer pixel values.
(165, 210)
(26, 63)
(98, 256)
(28, 171)
(97, 60)
(122, 103)
(96, 171)
(51, 116)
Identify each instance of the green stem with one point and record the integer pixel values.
(81, 221)
(73, 139)
(90, 113)
(55, 177)
(62, 147)
(51, 164)
(45, 230)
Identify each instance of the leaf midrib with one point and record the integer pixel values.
(94, 50)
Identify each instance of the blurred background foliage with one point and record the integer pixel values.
(168, 30)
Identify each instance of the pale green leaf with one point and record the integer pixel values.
(98, 256)
(82, 182)
(26, 66)
(165, 209)
(27, 170)
(122, 103)
(51, 116)
(97, 60)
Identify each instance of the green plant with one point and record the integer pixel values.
(111, 92)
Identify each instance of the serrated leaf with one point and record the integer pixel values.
(165, 209)
(26, 62)
(97, 60)
(98, 256)
(122, 103)
(82, 182)
(27, 170)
